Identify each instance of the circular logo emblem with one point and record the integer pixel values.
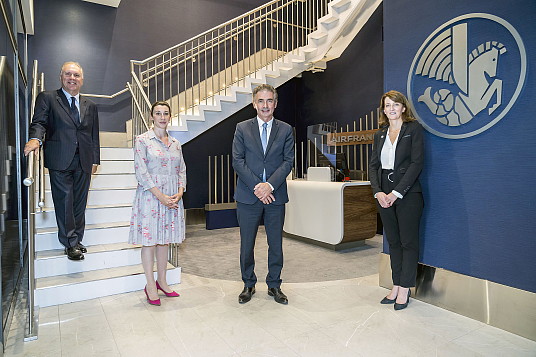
(467, 75)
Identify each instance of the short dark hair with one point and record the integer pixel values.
(396, 97)
(262, 87)
(160, 103)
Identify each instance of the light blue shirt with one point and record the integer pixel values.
(77, 99)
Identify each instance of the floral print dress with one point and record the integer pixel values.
(161, 166)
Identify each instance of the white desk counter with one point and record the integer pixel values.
(331, 213)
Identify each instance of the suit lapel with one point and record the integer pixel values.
(256, 134)
(400, 136)
(83, 108)
(64, 103)
(273, 134)
(383, 136)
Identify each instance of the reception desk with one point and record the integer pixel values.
(332, 214)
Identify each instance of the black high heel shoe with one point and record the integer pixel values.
(403, 306)
(386, 301)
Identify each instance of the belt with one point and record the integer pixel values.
(388, 173)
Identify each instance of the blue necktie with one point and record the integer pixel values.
(74, 109)
(264, 137)
(264, 141)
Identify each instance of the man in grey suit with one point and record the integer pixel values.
(71, 150)
(263, 154)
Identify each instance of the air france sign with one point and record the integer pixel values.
(467, 75)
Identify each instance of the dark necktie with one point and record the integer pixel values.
(74, 109)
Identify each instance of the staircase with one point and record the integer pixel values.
(111, 265)
(271, 44)
(202, 94)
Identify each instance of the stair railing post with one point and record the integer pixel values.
(33, 313)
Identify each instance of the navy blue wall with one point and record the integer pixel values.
(479, 191)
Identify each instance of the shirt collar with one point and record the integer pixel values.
(260, 122)
(152, 135)
(68, 96)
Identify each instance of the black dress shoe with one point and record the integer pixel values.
(386, 301)
(403, 306)
(74, 253)
(278, 295)
(82, 247)
(246, 294)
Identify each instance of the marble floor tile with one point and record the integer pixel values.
(322, 319)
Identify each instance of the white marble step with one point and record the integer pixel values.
(93, 284)
(55, 262)
(112, 180)
(116, 167)
(101, 196)
(116, 153)
(94, 215)
(95, 234)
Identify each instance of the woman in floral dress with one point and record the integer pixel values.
(158, 213)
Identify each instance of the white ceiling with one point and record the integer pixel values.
(112, 3)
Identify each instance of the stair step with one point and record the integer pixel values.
(329, 21)
(99, 196)
(94, 215)
(116, 167)
(318, 37)
(116, 153)
(106, 181)
(340, 5)
(54, 262)
(93, 284)
(95, 234)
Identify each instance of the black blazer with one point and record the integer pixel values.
(249, 160)
(409, 159)
(64, 134)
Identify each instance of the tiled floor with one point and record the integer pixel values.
(332, 318)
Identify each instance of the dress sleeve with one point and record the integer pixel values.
(140, 164)
(182, 169)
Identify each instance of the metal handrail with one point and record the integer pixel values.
(111, 96)
(195, 71)
(34, 165)
(211, 30)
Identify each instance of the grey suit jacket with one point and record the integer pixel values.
(409, 159)
(64, 134)
(249, 161)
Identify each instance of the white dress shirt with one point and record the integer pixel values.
(387, 156)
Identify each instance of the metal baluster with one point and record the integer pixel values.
(228, 178)
(222, 179)
(209, 181)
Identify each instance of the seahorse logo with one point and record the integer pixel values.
(460, 90)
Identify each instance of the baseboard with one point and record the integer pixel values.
(495, 304)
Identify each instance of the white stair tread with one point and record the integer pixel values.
(116, 205)
(55, 253)
(94, 275)
(88, 227)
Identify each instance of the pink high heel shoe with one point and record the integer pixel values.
(152, 302)
(171, 294)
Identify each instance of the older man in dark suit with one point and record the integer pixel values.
(263, 154)
(67, 125)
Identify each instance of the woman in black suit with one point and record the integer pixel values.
(394, 169)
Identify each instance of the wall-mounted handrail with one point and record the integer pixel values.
(111, 96)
